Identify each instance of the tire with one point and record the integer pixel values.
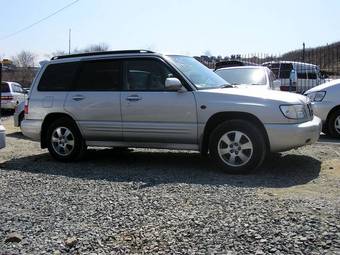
(21, 118)
(237, 146)
(64, 140)
(333, 124)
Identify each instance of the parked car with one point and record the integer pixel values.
(326, 105)
(2, 136)
(19, 114)
(257, 77)
(12, 94)
(145, 99)
(295, 76)
(233, 63)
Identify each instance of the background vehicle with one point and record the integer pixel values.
(19, 114)
(12, 94)
(306, 76)
(2, 136)
(248, 76)
(233, 63)
(145, 99)
(326, 105)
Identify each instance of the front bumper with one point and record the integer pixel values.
(283, 137)
(31, 129)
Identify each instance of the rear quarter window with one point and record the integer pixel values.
(58, 77)
(5, 87)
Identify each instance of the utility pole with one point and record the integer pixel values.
(303, 52)
(69, 41)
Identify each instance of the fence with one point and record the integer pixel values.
(311, 67)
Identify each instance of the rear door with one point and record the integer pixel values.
(94, 101)
(150, 113)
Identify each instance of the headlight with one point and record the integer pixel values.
(296, 111)
(316, 96)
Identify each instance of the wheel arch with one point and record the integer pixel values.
(220, 117)
(48, 120)
(334, 109)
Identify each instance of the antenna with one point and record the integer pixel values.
(69, 41)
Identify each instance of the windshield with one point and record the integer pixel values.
(201, 76)
(249, 76)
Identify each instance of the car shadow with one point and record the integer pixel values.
(150, 168)
(18, 135)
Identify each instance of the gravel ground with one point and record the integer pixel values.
(162, 202)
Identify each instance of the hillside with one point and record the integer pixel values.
(327, 57)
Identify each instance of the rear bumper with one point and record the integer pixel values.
(31, 129)
(8, 105)
(2, 137)
(283, 137)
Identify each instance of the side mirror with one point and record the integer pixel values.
(293, 76)
(173, 84)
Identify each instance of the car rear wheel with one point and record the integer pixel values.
(333, 125)
(237, 146)
(64, 140)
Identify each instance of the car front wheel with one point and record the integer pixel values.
(237, 146)
(333, 125)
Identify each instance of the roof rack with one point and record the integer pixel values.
(98, 53)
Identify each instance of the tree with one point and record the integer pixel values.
(94, 48)
(25, 59)
(25, 67)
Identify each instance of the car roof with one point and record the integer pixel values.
(290, 62)
(242, 67)
(101, 54)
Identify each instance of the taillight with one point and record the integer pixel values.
(6, 98)
(26, 107)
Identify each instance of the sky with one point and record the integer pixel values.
(190, 27)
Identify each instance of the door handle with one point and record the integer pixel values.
(78, 98)
(133, 98)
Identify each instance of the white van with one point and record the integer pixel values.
(295, 76)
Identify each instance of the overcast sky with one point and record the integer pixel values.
(190, 27)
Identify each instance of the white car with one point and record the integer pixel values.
(12, 94)
(326, 105)
(2, 136)
(258, 77)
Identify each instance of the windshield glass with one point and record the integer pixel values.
(249, 76)
(201, 76)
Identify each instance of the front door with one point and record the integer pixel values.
(94, 101)
(150, 113)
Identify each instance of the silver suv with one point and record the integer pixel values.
(145, 99)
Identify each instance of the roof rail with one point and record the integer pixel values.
(98, 53)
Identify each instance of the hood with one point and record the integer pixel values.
(324, 86)
(247, 86)
(263, 94)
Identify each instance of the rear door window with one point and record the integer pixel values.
(285, 70)
(100, 75)
(5, 88)
(58, 77)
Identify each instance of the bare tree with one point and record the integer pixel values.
(24, 59)
(25, 67)
(94, 48)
